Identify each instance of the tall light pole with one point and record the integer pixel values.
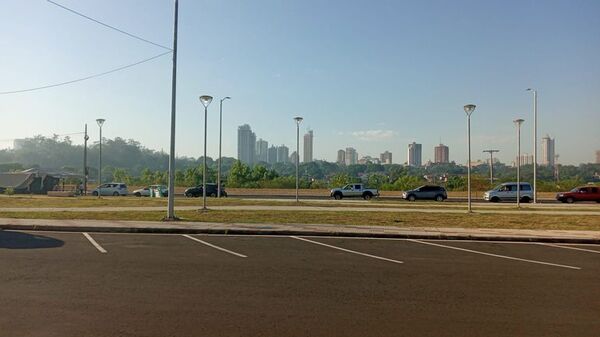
(205, 100)
(100, 122)
(297, 159)
(171, 194)
(534, 144)
(518, 123)
(491, 152)
(85, 167)
(220, 132)
(469, 108)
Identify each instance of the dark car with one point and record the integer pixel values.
(426, 192)
(584, 193)
(211, 191)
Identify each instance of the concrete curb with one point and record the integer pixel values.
(286, 232)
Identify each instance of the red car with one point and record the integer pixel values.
(585, 193)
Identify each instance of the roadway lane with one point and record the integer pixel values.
(171, 285)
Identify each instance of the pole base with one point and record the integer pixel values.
(202, 210)
(174, 218)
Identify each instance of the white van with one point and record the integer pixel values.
(508, 192)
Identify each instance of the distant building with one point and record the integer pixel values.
(341, 157)
(526, 159)
(262, 151)
(294, 157)
(386, 157)
(283, 154)
(414, 155)
(308, 146)
(18, 144)
(246, 144)
(369, 160)
(442, 154)
(272, 155)
(351, 156)
(598, 157)
(547, 151)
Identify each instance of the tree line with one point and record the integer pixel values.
(129, 162)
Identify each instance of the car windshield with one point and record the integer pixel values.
(576, 189)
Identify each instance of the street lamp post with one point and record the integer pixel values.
(469, 108)
(518, 123)
(171, 194)
(220, 137)
(534, 144)
(491, 152)
(297, 159)
(205, 100)
(100, 122)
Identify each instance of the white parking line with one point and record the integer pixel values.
(347, 250)
(94, 243)
(494, 255)
(573, 248)
(213, 246)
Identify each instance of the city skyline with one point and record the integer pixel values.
(420, 83)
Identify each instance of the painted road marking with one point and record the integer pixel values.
(494, 255)
(573, 248)
(347, 250)
(213, 246)
(94, 243)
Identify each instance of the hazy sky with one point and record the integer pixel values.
(374, 75)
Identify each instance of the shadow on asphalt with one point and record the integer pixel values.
(18, 240)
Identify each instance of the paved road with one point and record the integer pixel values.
(68, 284)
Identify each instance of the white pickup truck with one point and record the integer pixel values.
(354, 190)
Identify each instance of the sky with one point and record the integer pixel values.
(373, 75)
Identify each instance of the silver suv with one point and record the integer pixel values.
(508, 192)
(114, 189)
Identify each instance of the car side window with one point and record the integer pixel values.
(583, 190)
(594, 190)
(357, 187)
(525, 187)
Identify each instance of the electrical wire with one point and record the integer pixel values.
(108, 26)
(84, 78)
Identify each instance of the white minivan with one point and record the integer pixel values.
(508, 192)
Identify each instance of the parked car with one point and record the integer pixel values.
(115, 189)
(426, 192)
(583, 193)
(145, 192)
(508, 192)
(211, 191)
(354, 190)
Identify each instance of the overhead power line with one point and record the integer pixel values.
(107, 25)
(84, 78)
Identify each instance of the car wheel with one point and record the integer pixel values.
(495, 199)
(337, 196)
(138, 194)
(525, 200)
(367, 196)
(570, 200)
(213, 195)
(439, 198)
(115, 194)
(412, 198)
(95, 193)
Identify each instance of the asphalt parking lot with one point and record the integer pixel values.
(76, 284)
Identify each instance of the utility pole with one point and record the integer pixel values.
(85, 167)
(171, 196)
(491, 152)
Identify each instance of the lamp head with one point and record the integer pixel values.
(469, 108)
(519, 121)
(205, 100)
(225, 98)
(298, 120)
(100, 121)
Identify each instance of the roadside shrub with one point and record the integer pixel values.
(9, 191)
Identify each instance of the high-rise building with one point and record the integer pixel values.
(262, 149)
(386, 157)
(598, 157)
(351, 156)
(341, 157)
(283, 154)
(308, 146)
(272, 155)
(526, 159)
(294, 157)
(547, 151)
(441, 155)
(246, 144)
(414, 155)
